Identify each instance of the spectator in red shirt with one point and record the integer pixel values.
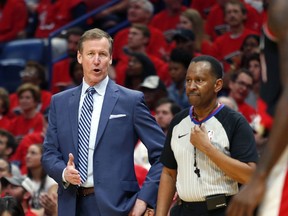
(13, 19)
(53, 14)
(139, 67)
(240, 85)
(191, 19)
(33, 73)
(140, 12)
(20, 188)
(138, 39)
(29, 119)
(216, 24)
(20, 154)
(60, 73)
(250, 45)
(226, 48)
(168, 18)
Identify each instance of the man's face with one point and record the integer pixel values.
(95, 59)
(200, 84)
(177, 72)
(240, 89)
(73, 45)
(14, 191)
(234, 15)
(4, 169)
(3, 146)
(136, 13)
(136, 39)
(163, 115)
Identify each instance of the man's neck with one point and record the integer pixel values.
(202, 113)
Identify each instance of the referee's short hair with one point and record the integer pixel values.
(216, 66)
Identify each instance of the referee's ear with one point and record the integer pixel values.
(218, 85)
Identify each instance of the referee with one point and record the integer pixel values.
(209, 150)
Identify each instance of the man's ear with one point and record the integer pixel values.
(218, 85)
(79, 57)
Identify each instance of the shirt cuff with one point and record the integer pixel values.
(64, 182)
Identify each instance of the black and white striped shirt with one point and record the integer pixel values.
(228, 131)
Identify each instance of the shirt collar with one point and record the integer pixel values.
(100, 87)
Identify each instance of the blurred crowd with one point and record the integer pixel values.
(151, 55)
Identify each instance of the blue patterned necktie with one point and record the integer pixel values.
(84, 133)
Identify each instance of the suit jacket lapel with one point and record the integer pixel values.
(73, 114)
(111, 96)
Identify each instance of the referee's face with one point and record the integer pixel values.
(201, 85)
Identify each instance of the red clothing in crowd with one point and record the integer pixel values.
(215, 21)
(266, 119)
(21, 126)
(203, 7)
(13, 19)
(5, 122)
(160, 66)
(141, 173)
(52, 16)
(92, 4)
(21, 151)
(45, 101)
(164, 22)
(247, 111)
(60, 75)
(227, 46)
(157, 43)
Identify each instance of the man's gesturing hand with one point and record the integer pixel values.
(71, 175)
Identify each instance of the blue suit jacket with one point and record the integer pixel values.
(115, 183)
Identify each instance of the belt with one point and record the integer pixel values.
(83, 191)
(200, 204)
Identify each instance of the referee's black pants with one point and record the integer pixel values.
(196, 209)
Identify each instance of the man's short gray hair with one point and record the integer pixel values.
(147, 5)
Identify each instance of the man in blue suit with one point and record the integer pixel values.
(119, 118)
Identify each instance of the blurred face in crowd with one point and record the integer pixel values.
(33, 156)
(30, 75)
(177, 72)
(254, 67)
(134, 67)
(14, 191)
(26, 101)
(240, 89)
(72, 44)
(136, 13)
(96, 59)
(185, 23)
(163, 115)
(77, 74)
(233, 15)
(3, 146)
(4, 168)
(136, 39)
(250, 46)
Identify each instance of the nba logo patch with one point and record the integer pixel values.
(210, 134)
